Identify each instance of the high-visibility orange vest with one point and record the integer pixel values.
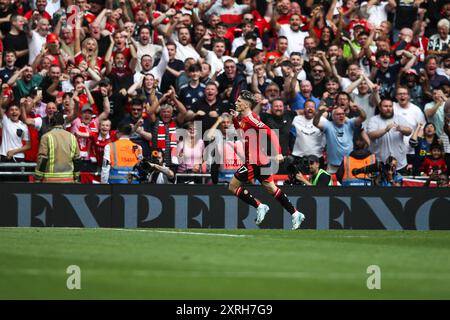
(124, 155)
(351, 163)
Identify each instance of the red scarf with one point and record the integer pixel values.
(166, 137)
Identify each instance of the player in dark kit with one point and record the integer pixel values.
(255, 160)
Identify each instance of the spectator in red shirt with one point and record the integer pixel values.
(103, 138)
(39, 12)
(283, 8)
(88, 51)
(434, 164)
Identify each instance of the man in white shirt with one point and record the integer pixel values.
(184, 47)
(411, 113)
(435, 113)
(309, 140)
(292, 32)
(144, 47)
(13, 134)
(216, 57)
(240, 41)
(377, 10)
(147, 67)
(229, 11)
(387, 131)
(37, 38)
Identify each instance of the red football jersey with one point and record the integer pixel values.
(253, 127)
(100, 144)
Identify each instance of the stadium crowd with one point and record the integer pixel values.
(341, 80)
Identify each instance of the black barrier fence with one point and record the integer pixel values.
(188, 206)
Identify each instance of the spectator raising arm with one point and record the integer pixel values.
(205, 6)
(182, 111)
(132, 91)
(355, 84)
(318, 117)
(5, 19)
(361, 116)
(101, 18)
(168, 14)
(213, 133)
(419, 131)
(199, 47)
(437, 105)
(315, 15)
(125, 17)
(160, 69)
(274, 21)
(78, 29)
(411, 59)
(108, 56)
(139, 129)
(106, 105)
(330, 12)
(17, 75)
(133, 60)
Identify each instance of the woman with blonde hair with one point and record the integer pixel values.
(87, 51)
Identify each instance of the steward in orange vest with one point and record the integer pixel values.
(358, 158)
(120, 157)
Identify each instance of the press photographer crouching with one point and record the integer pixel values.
(295, 165)
(154, 170)
(383, 174)
(358, 158)
(308, 165)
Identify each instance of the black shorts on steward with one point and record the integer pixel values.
(249, 172)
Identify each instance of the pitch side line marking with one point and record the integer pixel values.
(185, 232)
(160, 231)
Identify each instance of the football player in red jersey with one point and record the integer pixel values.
(255, 160)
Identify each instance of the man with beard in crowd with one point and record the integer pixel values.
(387, 131)
(280, 119)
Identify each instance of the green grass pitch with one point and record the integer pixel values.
(223, 264)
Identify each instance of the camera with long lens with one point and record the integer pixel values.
(144, 168)
(380, 168)
(296, 165)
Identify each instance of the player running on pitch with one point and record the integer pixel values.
(245, 119)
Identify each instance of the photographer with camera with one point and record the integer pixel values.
(154, 170)
(318, 178)
(359, 157)
(389, 177)
(384, 174)
(120, 158)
